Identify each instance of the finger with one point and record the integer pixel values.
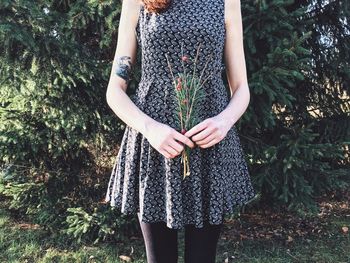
(182, 138)
(165, 153)
(207, 139)
(177, 146)
(211, 143)
(171, 150)
(203, 134)
(200, 126)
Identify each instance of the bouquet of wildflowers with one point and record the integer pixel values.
(189, 92)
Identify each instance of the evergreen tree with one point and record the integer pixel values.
(55, 123)
(296, 78)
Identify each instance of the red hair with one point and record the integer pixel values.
(156, 6)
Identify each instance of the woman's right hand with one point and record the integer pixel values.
(165, 139)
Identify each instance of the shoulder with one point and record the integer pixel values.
(130, 9)
(232, 9)
(232, 3)
(131, 4)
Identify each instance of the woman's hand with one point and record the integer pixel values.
(165, 139)
(211, 131)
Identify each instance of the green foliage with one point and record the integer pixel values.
(292, 130)
(276, 58)
(102, 224)
(55, 62)
(32, 199)
(298, 168)
(53, 79)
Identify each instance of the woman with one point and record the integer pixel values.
(147, 176)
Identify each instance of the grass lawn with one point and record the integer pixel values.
(258, 236)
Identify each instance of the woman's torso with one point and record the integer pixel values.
(175, 32)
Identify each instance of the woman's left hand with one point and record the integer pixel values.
(209, 132)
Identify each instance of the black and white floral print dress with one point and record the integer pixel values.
(142, 179)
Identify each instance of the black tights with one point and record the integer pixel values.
(161, 242)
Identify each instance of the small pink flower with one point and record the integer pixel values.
(179, 86)
(184, 58)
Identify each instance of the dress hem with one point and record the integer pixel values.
(228, 211)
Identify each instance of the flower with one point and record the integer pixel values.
(179, 84)
(189, 92)
(178, 87)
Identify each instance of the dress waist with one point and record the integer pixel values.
(146, 78)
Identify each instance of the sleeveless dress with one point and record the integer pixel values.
(142, 179)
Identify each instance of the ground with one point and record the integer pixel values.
(257, 236)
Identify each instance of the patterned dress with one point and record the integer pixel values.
(142, 179)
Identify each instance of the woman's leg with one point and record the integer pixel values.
(201, 243)
(160, 242)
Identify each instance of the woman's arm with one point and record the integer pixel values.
(235, 63)
(213, 130)
(123, 65)
(162, 137)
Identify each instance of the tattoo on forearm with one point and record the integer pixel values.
(124, 68)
